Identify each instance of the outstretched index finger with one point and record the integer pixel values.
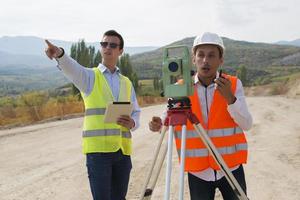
(49, 43)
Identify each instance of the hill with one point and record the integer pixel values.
(255, 56)
(22, 58)
(7, 60)
(288, 86)
(21, 78)
(24, 65)
(292, 43)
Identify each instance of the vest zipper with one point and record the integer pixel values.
(207, 114)
(215, 172)
(206, 105)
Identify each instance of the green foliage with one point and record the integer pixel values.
(150, 87)
(149, 91)
(35, 106)
(61, 99)
(242, 74)
(8, 101)
(263, 62)
(125, 66)
(15, 80)
(85, 56)
(135, 82)
(255, 56)
(33, 102)
(34, 99)
(157, 84)
(97, 59)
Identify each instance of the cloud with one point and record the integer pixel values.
(154, 22)
(264, 20)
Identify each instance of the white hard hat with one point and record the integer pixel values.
(209, 38)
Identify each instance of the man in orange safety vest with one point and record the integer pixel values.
(219, 103)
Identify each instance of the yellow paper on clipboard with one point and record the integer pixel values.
(115, 110)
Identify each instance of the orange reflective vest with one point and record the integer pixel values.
(225, 134)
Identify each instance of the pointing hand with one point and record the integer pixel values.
(53, 51)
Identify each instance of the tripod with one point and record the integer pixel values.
(179, 111)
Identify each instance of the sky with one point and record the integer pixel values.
(152, 22)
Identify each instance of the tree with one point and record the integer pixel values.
(97, 59)
(135, 82)
(85, 56)
(125, 66)
(242, 74)
(156, 85)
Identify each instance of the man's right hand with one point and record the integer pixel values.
(156, 124)
(53, 51)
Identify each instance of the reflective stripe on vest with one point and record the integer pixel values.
(204, 152)
(211, 133)
(106, 132)
(95, 111)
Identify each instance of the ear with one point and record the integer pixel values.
(193, 59)
(121, 52)
(222, 60)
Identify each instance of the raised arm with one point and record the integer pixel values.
(82, 77)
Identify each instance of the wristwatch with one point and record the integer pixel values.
(63, 53)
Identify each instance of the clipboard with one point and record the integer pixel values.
(115, 110)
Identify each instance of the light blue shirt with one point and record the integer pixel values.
(84, 79)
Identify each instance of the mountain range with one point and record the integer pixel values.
(29, 50)
(24, 66)
(252, 55)
(292, 43)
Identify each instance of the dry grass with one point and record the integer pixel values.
(150, 100)
(24, 115)
(57, 109)
(54, 109)
(288, 86)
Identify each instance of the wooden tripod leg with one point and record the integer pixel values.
(148, 191)
(182, 163)
(169, 163)
(220, 162)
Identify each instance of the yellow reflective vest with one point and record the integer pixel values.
(97, 135)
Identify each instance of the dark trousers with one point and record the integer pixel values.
(205, 190)
(108, 175)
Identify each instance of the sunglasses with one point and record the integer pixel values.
(111, 45)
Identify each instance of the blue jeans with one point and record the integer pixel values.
(108, 175)
(205, 190)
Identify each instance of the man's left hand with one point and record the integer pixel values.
(223, 85)
(126, 121)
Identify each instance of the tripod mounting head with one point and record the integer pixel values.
(179, 103)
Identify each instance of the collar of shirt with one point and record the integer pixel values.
(196, 80)
(104, 69)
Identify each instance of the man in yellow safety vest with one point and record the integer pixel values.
(107, 145)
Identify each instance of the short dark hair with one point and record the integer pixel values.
(115, 33)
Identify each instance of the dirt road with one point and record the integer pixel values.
(44, 162)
